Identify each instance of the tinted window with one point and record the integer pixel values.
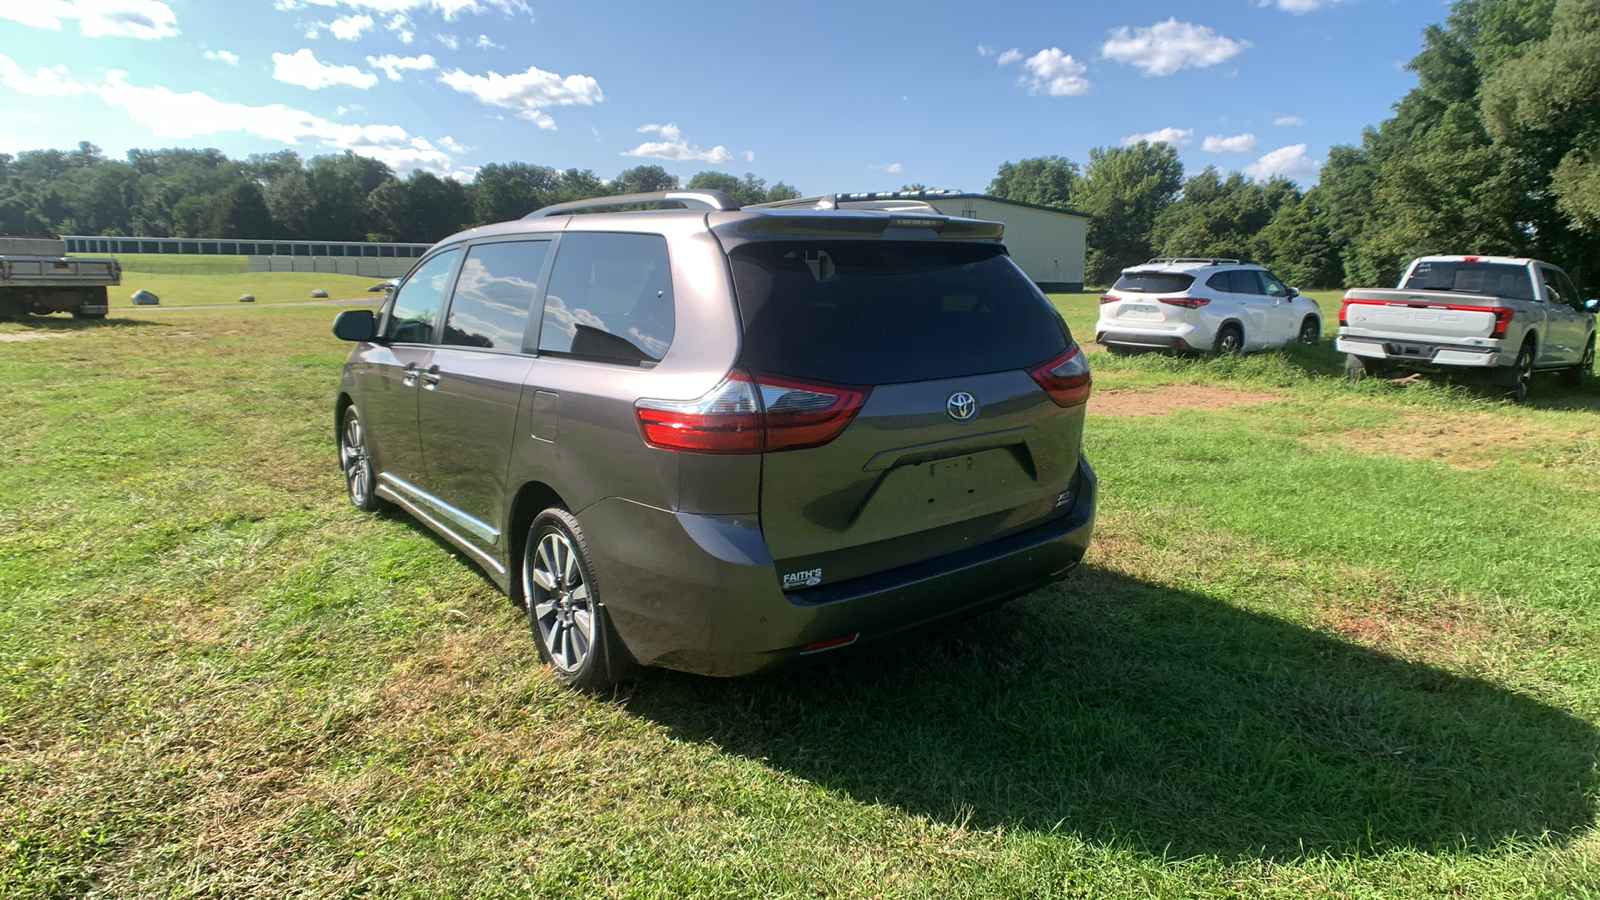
(1569, 291)
(1273, 286)
(1154, 282)
(610, 299)
(494, 294)
(416, 303)
(1247, 281)
(1500, 279)
(1221, 281)
(880, 312)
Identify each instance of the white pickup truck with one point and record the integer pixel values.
(36, 276)
(1510, 315)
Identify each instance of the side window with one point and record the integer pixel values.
(494, 294)
(1569, 291)
(1274, 287)
(1221, 281)
(1246, 281)
(610, 299)
(415, 307)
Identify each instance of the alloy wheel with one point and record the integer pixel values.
(354, 460)
(560, 601)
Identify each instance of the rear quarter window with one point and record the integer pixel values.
(1499, 279)
(885, 312)
(610, 299)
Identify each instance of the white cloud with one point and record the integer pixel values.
(1053, 72)
(451, 144)
(303, 68)
(484, 43)
(985, 50)
(143, 19)
(749, 156)
(1166, 47)
(348, 28)
(449, 9)
(465, 175)
(1008, 57)
(231, 59)
(673, 146)
(393, 65)
(1299, 7)
(56, 82)
(1177, 137)
(402, 27)
(1238, 143)
(527, 92)
(1288, 120)
(449, 40)
(893, 168)
(1290, 162)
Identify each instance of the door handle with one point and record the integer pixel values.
(430, 377)
(408, 375)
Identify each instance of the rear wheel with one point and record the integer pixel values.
(1230, 340)
(1521, 373)
(1310, 331)
(1580, 374)
(568, 622)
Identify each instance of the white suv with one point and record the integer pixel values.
(1194, 305)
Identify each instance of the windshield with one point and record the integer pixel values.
(1499, 279)
(883, 312)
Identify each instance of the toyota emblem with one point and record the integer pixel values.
(962, 406)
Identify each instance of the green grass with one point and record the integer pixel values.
(205, 280)
(1326, 644)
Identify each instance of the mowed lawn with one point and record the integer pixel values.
(1331, 641)
(203, 280)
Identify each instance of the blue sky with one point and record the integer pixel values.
(828, 96)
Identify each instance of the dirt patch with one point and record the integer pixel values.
(1473, 441)
(29, 336)
(1160, 401)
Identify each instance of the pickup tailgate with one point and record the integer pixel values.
(1422, 316)
(33, 271)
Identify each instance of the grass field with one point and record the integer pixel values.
(1331, 641)
(206, 285)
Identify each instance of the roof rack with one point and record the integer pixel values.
(696, 199)
(1207, 260)
(903, 201)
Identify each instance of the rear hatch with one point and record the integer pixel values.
(1417, 316)
(955, 443)
(1146, 297)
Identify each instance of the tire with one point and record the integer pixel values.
(1580, 374)
(1310, 331)
(568, 621)
(356, 463)
(1230, 340)
(1520, 373)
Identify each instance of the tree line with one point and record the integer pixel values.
(1496, 150)
(202, 193)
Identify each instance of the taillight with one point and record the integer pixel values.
(1343, 305)
(748, 413)
(1109, 298)
(1185, 302)
(1502, 321)
(1065, 377)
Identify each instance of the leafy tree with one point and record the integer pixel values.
(503, 192)
(643, 179)
(1123, 190)
(747, 192)
(1044, 180)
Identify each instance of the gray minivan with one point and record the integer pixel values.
(719, 439)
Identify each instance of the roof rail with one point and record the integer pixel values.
(821, 201)
(1208, 260)
(696, 199)
(891, 200)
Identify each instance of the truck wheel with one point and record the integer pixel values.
(1579, 374)
(1522, 371)
(1230, 340)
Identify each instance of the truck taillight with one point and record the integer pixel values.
(1185, 302)
(1502, 321)
(748, 413)
(1343, 305)
(1065, 377)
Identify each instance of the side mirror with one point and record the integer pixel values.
(1293, 293)
(1592, 305)
(355, 325)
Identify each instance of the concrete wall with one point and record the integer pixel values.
(342, 265)
(1048, 246)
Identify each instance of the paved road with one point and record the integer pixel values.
(354, 301)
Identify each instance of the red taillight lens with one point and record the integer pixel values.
(751, 414)
(1065, 377)
(1502, 321)
(1343, 305)
(1185, 302)
(1108, 298)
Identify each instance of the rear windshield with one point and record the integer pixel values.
(1153, 282)
(882, 312)
(1500, 279)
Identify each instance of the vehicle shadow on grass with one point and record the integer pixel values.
(1123, 711)
(66, 323)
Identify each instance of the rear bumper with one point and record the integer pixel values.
(1159, 339)
(700, 593)
(1413, 352)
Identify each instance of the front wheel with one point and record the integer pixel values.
(1580, 374)
(1310, 331)
(565, 615)
(356, 463)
